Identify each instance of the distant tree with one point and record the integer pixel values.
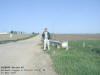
(16, 32)
(32, 32)
(11, 31)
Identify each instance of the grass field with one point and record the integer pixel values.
(32, 35)
(77, 60)
(76, 36)
(15, 38)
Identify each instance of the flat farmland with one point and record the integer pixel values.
(76, 36)
(14, 36)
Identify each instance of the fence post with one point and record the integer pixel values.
(83, 44)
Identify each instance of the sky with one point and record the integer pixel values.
(59, 16)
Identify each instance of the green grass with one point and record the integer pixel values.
(77, 60)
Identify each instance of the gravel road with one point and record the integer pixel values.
(25, 58)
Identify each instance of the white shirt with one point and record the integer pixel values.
(46, 35)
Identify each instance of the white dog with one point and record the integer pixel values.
(65, 45)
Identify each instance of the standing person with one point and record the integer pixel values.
(46, 38)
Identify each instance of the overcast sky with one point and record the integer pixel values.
(59, 16)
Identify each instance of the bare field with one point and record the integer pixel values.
(14, 37)
(77, 36)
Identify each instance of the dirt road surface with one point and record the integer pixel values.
(25, 58)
